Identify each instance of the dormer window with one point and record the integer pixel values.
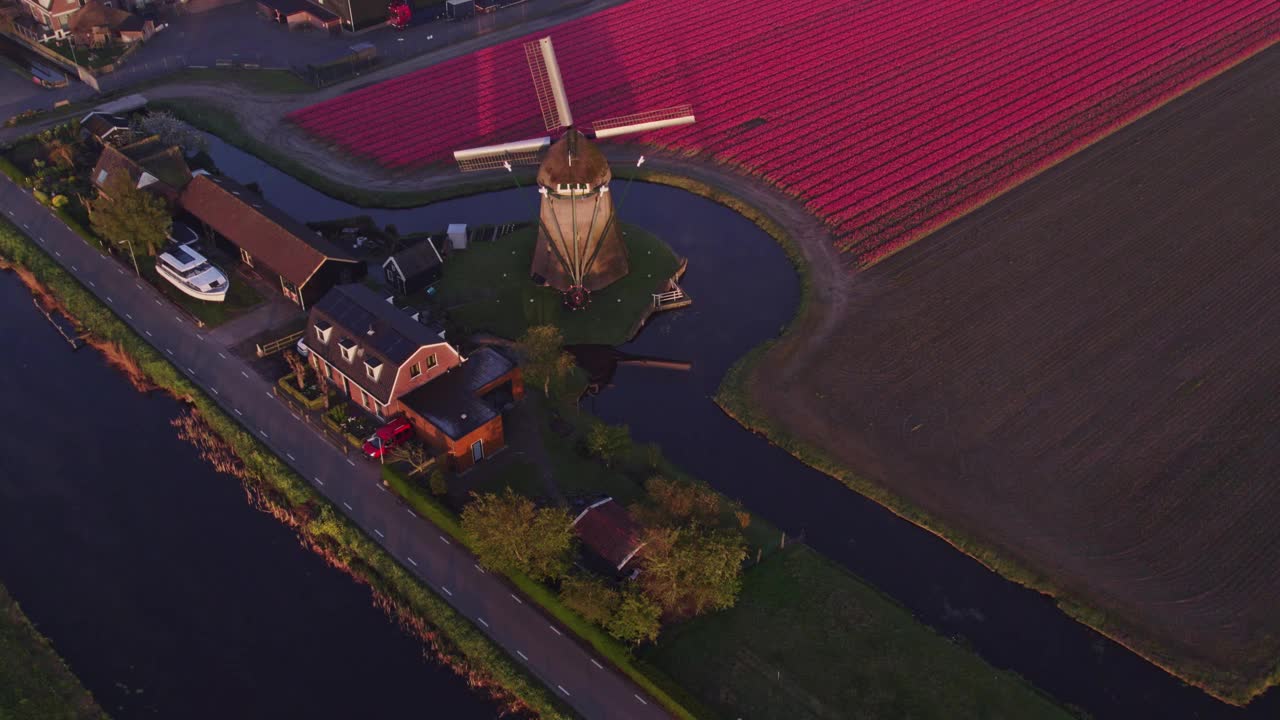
(373, 368)
(323, 330)
(431, 361)
(348, 347)
(415, 370)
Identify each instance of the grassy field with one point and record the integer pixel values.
(240, 297)
(487, 288)
(809, 641)
(34, 681)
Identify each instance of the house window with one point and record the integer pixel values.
(348, 347)
(415, 371)
(322, 331)
(431, 361)
(372, 368)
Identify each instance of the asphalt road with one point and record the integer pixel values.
(582, 679)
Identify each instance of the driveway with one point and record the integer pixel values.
(580, 678)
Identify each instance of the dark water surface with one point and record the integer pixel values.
(167, 594)
(745, 291)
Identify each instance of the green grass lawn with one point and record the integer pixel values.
(34, 681)
(808, 640)
(272, 81)
(241, 296)
(487, 288)
(88, 57)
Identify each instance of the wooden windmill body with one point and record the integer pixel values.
(579, 248)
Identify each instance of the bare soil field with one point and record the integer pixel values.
(1079, 382)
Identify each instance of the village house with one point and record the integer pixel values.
(608, 531)
(98, 25)
(414, 269)
(390, 363)
(284, 251)
(148, 163)
(106, 128)
(300, 14)
(52, 17)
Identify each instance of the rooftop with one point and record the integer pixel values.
(451, 401)
(608, 530)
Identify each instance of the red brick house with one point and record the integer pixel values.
(606, 528)
(278, 247)
(389, 363)
(52, 16)
(149, 164)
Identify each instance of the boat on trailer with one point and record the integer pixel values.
(191, 273)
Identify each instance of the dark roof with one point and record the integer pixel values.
(451, 402)
(588, 165)
(133, 23)
(96, 14)
(353, 310)
(270, 235)
(164, 163)
(608, 530)
(101, 124)
(418, 259)
(290, 7)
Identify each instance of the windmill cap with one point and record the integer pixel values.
(588, 165)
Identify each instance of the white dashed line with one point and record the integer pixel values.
(139, 285)
(120, 271)
(178, 318)
(295, 417)
(271, 396)
(127, 315)
(411, 561)
(239, 413)
(189, 370)
(477, 566)
(482, 622)
(566, 692)
(379, 533)
(513, 597)
(215, 390)
(264, 433)
(158, 301)
(351, 462)
(26, 226)
(75, 269)
(169, 351)
(319, 481)
(411, 512)
(596, 663)
(526, 657)
(445, 540)
(554, 630)
(291, 457)
(447, 591)
(224, 357)
(381, 488)
(113, 302)
(148, 332)
(642, 702)
(58, 253)
(93, 284)
(244, 374)
(344, 502)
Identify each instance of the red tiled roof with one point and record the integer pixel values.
(59, 7)
(608, 530)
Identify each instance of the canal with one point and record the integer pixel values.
(745, 291)
(166, 593)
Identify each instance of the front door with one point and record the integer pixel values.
(477, 451)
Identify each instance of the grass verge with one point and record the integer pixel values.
(289, 497)
(34, 680)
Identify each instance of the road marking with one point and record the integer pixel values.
(344, 502)
(41, 240)
(642, 702)
(58, 253)
(447, 591)
(178, 318)
(110, 300)
(245, 374)
(411, 561)
(446, 540)
(93, 284)
(381, 488)
(224, 357)
(10, 213)
(193, 372)
(482, 622)
(566, 692)
(291, 457)
(526, 657)
(75, 269)
(596, 663)
(271, 396)
(319, 481)
(554, 630)
(158, 301)
(128, 316)
(513, 597)
(379, 533)
(477, 566)
(264, 433)
(26, 226)
(138, 284)
(351, 462)
(120, 270)
(411, 512)
(239, 413)
(295, 417)
(148, 332)
(215, 390)
(168, 351)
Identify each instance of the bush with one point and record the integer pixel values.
(637, 619)
(610, 443)
(591, 598)
(40, 196)
(60, 201)
(438, 483)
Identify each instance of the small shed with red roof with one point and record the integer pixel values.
(606, 528)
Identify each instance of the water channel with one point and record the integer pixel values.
(745, 291)
(166, 593)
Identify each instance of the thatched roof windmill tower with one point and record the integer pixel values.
(579, 249)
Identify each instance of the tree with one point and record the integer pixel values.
(680, 502)
(545, 361)
(171, 131)
(131, 218)
(298, 366)
(590, 597)
(689, 570)
(415, 454)
(610, 443)
(438, 482)
(637, 619)
(510, 534)
(322, 382)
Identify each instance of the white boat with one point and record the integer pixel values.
(191, 273)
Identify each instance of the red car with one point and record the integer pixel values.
(387, 437)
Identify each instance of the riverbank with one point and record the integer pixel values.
(34, 681)
(278, 490)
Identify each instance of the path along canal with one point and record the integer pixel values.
(166, 593)
(745, 291)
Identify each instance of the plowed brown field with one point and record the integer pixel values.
(1085, 376)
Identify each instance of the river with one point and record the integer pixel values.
(745, 291)
(166, 593)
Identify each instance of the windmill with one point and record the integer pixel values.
(578, 250)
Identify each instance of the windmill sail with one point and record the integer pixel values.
(548, 84)
(641, 122)
(492, 157)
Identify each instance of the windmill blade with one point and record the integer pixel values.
(492, 157)
(641, 122)
(548, 84)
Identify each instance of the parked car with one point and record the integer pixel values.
(388, 436)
